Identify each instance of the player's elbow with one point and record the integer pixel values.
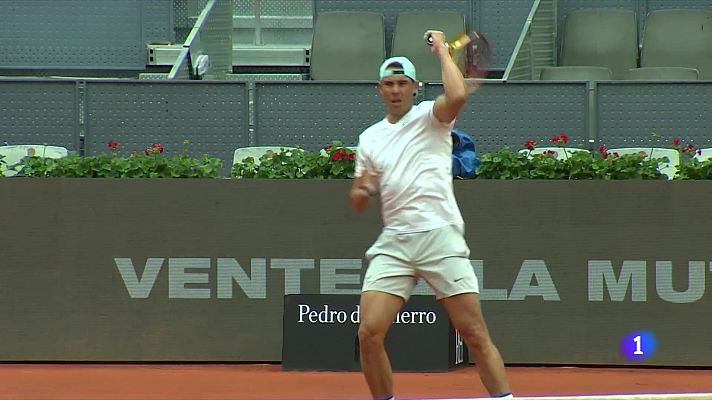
(449, 110)
(457, 98)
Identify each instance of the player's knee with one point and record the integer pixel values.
(370, 338)
(475, 337)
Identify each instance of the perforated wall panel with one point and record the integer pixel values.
(185, 13)
(71, 34)
(157, 20)
(629, 112)
(312, 114)
(39, 112)
(101, 34)
(211, 115)
(216, 39)
(507, 114)
(275, 7)
(652, 5)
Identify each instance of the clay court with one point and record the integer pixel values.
(269, 382)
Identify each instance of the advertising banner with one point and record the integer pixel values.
(571, 272)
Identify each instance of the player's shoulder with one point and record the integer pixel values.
(423, 110)
(424, 107)
(373, 130)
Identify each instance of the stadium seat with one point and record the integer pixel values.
(256, 152)
(669, 169)
(576, 74)
(408, 39)
(662, 74)
(603, 38)
(558, 150)
(15, 153)
(347, 45)
(678, 38)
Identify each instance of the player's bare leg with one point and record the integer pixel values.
(377, 312)
(466, 316)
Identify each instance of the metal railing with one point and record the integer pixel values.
(536, 46)
(181, 67)
(209, 43)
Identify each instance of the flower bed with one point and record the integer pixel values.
(336, 161)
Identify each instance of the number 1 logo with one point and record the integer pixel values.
(637, 351)
(638, 345)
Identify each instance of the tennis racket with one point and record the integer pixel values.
(476, 50)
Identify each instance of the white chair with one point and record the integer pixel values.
(559, 151)
(666, 168)
(15, 153)
(256, 152)
(706, 154)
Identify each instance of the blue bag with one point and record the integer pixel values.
(464, 155)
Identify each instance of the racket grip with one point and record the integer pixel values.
(429, 39)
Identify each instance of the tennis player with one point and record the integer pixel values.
(406, 157)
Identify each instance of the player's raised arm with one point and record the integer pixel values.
(450, 104)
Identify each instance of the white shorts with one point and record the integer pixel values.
(440, 256)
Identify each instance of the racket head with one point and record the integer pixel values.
(478, 54)
(474, 50)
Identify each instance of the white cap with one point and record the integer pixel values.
(406, 68)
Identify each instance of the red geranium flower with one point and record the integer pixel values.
(564, 138)
(529, 144)
(690, 148)
(560, 139)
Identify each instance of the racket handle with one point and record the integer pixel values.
(429, 39)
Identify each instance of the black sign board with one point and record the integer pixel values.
(321, 333)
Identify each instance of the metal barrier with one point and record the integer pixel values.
(211, 116)
(508, 113)
(219, 115)
(628, 113)
(39, 112)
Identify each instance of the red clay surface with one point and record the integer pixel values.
(268, 382)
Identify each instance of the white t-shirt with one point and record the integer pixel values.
(413, 159)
